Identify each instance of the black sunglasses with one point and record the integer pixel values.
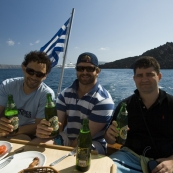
(31, 72)
(88, 68)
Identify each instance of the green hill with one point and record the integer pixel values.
(163, 54)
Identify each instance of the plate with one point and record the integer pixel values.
(22, 160)
(9, 147)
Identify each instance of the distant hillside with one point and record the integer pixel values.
(101, 62)
(163, 54)
(4, 66)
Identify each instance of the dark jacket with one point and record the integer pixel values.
(151, 130)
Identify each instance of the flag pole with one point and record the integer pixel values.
(65, 51)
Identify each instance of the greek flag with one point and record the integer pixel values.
(56, 44)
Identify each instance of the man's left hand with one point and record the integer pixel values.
(165, 165)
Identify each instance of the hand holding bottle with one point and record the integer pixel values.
(112, 133)
(44, 130)
(122, 121)
(9, 124)
(51, 115)
(5, 127)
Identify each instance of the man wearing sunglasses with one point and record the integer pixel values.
(29, 94)
(85, 98)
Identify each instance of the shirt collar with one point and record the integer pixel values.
(162, 95)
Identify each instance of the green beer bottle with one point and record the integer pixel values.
(83, 154)
(51, 115)
(11, 113)
(122, 121)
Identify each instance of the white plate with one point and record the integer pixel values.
(22, 160)
(9, 147)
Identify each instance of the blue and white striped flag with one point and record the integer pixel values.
(56, 44)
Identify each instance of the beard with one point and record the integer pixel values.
(86, 79)
(32, 84)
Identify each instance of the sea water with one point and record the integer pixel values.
(119, 82)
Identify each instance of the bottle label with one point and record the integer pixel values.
(54, 123)
(15, 122)
(11, 105)
(83, 156)
(123, 132)
(124, 113)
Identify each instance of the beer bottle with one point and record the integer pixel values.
(51, 115)
(83, 156)
(11, 113)
(122, 121)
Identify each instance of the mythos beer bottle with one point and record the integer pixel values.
(122, 121)
(11, 113)
(51, 115)
(83, 155)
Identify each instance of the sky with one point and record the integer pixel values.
(111, 29)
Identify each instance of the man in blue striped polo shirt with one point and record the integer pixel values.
(85, 98)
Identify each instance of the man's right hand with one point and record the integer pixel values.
(112, 133)
(5, 127)
(43, 130)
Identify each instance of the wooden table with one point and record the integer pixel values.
(99, 163)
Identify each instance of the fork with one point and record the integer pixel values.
(8, 160)
(63, 157)
(3, 164)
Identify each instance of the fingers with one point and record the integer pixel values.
(5, 127)
(159, 169)
(44, 122)
(165, 166)
(2, 134)
(43, 130)
(114, 123)
(112, 132)
(112, 138)
(5, 122)
(114, 129)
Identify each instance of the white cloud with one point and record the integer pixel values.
(76, 47)
(30, 44)
(18, 43)
(10, 42)
(38, 41)
(104, 48)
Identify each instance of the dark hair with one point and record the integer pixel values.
(146, 62)
(39, 57)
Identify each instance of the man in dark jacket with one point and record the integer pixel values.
(150, 120)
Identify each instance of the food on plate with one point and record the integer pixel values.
(3, 149)
(34, 163)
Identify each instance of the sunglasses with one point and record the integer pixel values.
(88, 68)
(31, 72)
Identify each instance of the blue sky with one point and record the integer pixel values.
(111, 29)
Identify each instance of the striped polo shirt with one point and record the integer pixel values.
(97, 106)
